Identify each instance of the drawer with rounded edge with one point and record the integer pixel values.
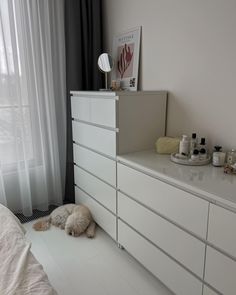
(175, 204)
(182, 246)
(96, 188)
(180, 281)
(100, 111)
(220, 272)
(102, 216)
(95, 163)
(99, 139)
(222, 229)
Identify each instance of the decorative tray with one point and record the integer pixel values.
(188, 161)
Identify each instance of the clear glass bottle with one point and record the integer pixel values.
(193, 143)
(202, 143)
(231, 157)
(202, 154)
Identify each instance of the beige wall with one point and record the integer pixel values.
(188, 48)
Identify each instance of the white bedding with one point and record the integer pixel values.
(20, 272)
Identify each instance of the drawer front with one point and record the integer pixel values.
(222, 229)
(220, 272)
(100, 166)
(170, 273)
(99, 190)
(99, 139)
(179, 206)
(174, 241)
(103, 217)
(100, 111)
(208, 291)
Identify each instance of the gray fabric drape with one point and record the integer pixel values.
(83, 37)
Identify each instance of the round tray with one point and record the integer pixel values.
(190, 162)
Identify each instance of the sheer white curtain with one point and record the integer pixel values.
(32, 104)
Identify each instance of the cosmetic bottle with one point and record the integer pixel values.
(218, 157)
(202, 143)
(231, 157)
(195, 155)
(193, 143)
(202, 154)
(184, 145)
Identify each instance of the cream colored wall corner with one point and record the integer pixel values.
(188, 48)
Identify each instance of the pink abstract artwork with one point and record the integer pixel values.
(125, 60)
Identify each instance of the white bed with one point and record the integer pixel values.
(20, 272)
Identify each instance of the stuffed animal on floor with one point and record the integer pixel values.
(75, 219)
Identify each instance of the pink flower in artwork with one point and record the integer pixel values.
(124, 60)
(128, 55)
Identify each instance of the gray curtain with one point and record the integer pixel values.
(83, 38)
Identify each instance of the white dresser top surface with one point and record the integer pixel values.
(111, 94)
(208, 182)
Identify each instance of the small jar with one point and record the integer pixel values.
(195, 155)
(231, 157)
(218, 157)
(113, 84)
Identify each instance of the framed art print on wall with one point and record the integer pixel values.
(126, 47)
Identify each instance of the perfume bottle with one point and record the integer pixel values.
(231, 157)
(202, 154)
(202, 143)
(193, 143)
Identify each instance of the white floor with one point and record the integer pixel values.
(82, 266)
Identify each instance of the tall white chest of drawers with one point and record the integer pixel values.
(106, 124)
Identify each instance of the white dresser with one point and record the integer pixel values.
(179, 222)
(106, 124)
